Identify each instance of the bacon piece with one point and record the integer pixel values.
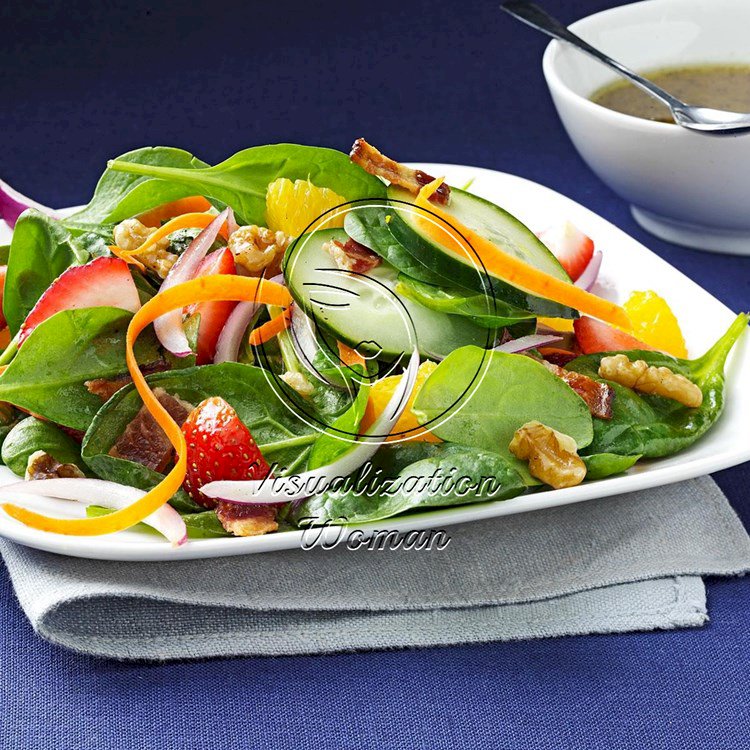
(372, 161)
(558, 356)
(351, 256)
(246, 520)
(105, 388)
(598, 396)
(143, 441)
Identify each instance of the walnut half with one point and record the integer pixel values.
(658, 381)
(552, 456)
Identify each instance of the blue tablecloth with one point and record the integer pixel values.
(434, 81)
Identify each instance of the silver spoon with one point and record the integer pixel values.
(701, 119)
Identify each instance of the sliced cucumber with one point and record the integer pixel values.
(364, 310)
(493, 223)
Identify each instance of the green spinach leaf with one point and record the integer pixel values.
(47, 375)
(41, 249)
(202, 525)
(368, 226)
(337, 440)
(31, 435)
(653, 426)
(484, 310)
(120, 195)
(444, 475)
(601, 465)
(480, 398)
(241, 181)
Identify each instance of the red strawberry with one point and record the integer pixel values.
(570, 246)
(103, 282)
(594, 337)
(213, 314)
(219, 446)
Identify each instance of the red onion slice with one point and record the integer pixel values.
(588, 277)
(515, 346)
(299, 486)
(13, 204)
(230, 338)
(168, 327)
(166, 520)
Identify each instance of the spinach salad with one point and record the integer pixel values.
(297, 336)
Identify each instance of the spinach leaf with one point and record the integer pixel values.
(41, 249)
(241, 181)
(120, 195)
(480, 398)
(601, 465)
(9, 418)
(484, 310)
(654, 426)
(31, 435)
(368, 226)
(47, 375)
(337, 440)
(282, 437)
(446, 475)
(202, 525)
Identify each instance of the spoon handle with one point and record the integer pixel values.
(536, 17)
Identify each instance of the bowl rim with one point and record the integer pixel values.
(555, 48)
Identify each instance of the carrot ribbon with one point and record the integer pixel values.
(203, 289)
(514, 270)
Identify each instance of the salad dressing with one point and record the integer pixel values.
(719, 86)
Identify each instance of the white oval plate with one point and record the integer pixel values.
(627, 266)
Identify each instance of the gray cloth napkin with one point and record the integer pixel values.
(618, 564)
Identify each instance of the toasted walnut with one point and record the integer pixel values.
(258, 249)
(43, 466)
(299, 383)
(131, 234)
(659, 381)
(552, 456)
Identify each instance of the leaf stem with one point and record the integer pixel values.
(10, 351)
(280, 445)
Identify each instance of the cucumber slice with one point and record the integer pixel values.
(496, 225)
(364, 310)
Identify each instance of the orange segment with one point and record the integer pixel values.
(654, 323)
(292, 206)
(380, 395)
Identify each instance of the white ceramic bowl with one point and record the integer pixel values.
(684, 187)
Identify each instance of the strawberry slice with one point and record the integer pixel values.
(570, 246)
(219, 446)
(213, 314)
(594, 336)
(103, 282)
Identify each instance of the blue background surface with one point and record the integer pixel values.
(431, 81)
